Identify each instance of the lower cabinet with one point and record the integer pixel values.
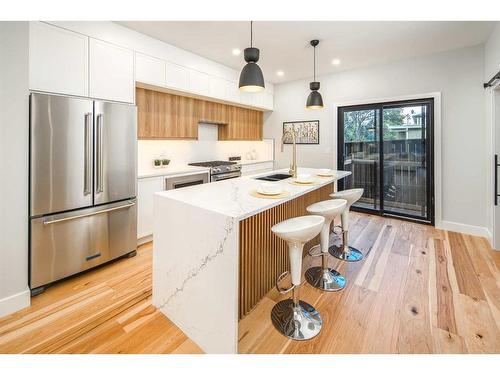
(146, 188)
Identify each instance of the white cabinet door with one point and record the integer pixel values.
(150, 70)
(177, 77)
(233, 92)
(111, 72)
(218, 88)
(58, 60)
(146, 188)
(268, 102)
(199, 82)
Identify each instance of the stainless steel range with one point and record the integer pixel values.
(221, 170)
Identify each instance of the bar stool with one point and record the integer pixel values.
(324, 278)
(345, 252)
(294, 318)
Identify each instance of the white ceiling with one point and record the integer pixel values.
(284, 45)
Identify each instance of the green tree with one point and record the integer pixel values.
(360, 125)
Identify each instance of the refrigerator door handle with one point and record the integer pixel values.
(100, 188)
(88, 154)
(48, 222)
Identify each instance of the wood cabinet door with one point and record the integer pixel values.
(186, 122)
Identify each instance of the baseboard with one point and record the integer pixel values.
(143, 240)
(16, 302)
(464, 228)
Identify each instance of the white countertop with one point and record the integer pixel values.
(171, 170)
(232, 197)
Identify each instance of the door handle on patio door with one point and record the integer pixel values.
(99, 152)
(87, 156)
(495, 176)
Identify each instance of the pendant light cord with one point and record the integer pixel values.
(251, 34)
(314, 63)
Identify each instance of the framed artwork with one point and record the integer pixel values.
(306, 132)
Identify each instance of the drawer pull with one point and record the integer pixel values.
(90, 257)
(88, 214)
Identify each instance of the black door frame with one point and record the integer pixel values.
(429, 150)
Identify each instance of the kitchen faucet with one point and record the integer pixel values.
(293, 166)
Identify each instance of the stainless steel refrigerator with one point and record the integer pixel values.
(83, 183)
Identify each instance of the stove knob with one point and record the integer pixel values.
(216, 170)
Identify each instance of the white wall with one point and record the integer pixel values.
(457, 74)
(491, 67)
(14, 293)
(492, 54)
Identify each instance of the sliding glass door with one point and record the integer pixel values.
(388, 149)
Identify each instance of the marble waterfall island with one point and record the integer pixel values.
(214, 256)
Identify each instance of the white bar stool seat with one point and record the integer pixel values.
(345, 252)
(324, 278)
(294, 318)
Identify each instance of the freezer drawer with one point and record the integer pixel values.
(65, 244)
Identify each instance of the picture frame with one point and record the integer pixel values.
(306, 132)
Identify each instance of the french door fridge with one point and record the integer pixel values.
(83, 184)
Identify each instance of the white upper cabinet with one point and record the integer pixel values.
(58, 60)
(268, 100)
(177, 76)
(111, 72)
(199, 82)
(233, 92)
(217, 88)
(69, 62)
(150, 70)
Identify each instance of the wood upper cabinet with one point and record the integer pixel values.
(167, 116)
(243, 124)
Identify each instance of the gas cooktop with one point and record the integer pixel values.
(211, 164)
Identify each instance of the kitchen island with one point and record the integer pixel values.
(214, 256)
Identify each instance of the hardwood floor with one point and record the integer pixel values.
(107, 310)
(419, 290)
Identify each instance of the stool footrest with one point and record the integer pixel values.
(279, 279)
(312, 253)
(337, 229)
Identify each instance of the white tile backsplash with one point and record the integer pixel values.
(206, 148)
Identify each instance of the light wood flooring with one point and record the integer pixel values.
(419, 290)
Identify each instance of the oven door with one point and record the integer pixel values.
(225, 176)
(177, 182)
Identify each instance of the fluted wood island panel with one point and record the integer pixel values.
(263, 256)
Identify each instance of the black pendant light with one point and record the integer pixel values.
(251, 78)
(314, 100)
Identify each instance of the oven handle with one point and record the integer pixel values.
(225, 176)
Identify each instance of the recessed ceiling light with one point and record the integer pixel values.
(280, 73)
(336, 61)
(236, 51)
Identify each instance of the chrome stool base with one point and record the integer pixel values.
(326, 279)
(301, 322)
(353, 255)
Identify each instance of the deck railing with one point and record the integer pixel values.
(404, 174)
